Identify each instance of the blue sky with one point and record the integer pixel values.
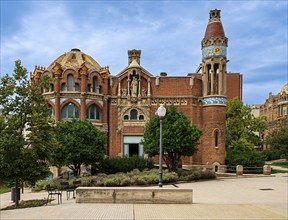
(169, 33)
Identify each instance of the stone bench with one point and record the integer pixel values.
(133, 195)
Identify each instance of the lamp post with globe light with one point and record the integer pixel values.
(161, 112)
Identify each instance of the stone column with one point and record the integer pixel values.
(212, 81)
(205, 80)
(220, 80)
(149, 89)
(139, 87)
(57, 98)
(119, 88)
(224, 81)
(128, 86)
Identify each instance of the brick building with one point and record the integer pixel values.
(275, 109)
(121, 104)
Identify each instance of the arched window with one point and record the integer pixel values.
(133, 114)
(94, 85)
(141, 117)
(70, 111)
(70, 81)
(93, 113)
(216, 136)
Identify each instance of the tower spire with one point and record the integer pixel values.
(214, 59)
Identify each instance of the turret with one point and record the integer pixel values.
(214, 59)
(134, 55)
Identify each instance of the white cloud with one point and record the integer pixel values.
(260, 92)
(168, 33)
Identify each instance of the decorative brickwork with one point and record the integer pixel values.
(121, 104)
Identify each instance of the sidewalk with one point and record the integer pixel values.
(237, 198)
(277, 167)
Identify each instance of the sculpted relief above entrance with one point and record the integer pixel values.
(133, 88)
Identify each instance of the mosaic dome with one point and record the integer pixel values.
(74, 59)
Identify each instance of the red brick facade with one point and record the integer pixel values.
(121, 104)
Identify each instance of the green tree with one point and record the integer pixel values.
(241, 135)
(242, 125)
(179, 137)
(278, 139)
(79, 142)
(244, 154)
(25, 128)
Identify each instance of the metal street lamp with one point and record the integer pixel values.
(161, 112)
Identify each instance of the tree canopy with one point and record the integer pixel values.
(243, 133)
(25, 128)
(278, 139)
(179, 137)
(78, 142)
(242, 126)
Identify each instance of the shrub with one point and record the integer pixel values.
(98, 180)
(272, 154)
(147, 177)
(141, 180)
(122, 164)
(41, 185)
(169, 177)
(246, 158)
(208, 174)
(112, 181)
(135, 177)
(126, 181)
(195, 174)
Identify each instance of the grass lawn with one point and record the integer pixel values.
(4, 188)
(280, 164)
(28, 204)
(279, 171)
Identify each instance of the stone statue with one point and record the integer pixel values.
(133, 87)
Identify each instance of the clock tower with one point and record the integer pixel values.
(214, 60)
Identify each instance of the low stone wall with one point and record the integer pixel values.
(133, 195)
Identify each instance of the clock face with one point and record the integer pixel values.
(214, 51)
(217, 50)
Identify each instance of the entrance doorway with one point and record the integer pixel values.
(132, 146)
(133, 149)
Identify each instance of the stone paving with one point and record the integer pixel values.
(239, 198)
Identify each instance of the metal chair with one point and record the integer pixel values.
(66, 187)
(53, 191)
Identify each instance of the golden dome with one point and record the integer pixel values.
(74, 59)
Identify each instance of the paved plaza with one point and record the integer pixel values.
(225, 198)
